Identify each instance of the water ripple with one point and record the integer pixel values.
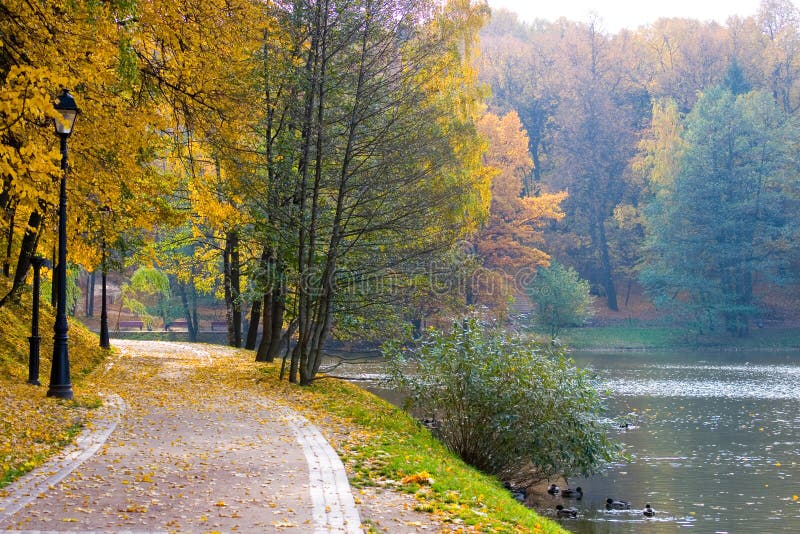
(724, 381)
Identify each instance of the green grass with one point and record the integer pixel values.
(386, 447)
(642, 337)
(625, 337)
(7, 476)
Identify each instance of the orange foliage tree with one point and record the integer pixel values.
(508, 246)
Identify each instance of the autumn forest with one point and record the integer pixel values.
(358, 169)
(676, 145)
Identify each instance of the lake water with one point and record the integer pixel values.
(715, 445)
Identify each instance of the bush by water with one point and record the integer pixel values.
(506, 404)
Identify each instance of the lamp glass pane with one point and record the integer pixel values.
(65, 126)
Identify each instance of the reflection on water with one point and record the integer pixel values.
(715, 443)
(715, 448)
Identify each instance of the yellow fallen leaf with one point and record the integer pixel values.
(421, 478)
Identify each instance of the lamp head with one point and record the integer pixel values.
(65, 105)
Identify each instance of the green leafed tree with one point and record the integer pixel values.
(561, 297)
(146, 295)
(722, 222)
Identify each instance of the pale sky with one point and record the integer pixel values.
(616, 14)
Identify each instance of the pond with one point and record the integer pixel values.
(714, 443)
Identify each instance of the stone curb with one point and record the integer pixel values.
(334, 509)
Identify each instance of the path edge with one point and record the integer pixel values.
(26, 489)
(334, 508)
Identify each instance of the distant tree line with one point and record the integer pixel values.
(676, 144)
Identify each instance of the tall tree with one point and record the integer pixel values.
(519, 62)
(723, 221)
(384, 141)
(685, 56)
(80, 45)
(779, 21)
(599, 116)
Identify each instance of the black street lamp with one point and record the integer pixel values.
(105, 212)
(35, 339)
(104, 342)
(60, 385)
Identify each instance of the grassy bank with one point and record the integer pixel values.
(382, 446)
(646, 337)
(33, 426)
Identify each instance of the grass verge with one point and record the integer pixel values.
(634, 337)
(383, 446)
(624, 337)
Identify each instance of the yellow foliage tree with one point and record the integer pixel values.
(76, 45)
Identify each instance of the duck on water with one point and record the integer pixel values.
(566, 512)
(612, 504)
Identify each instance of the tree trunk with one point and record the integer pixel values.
(277, 314)
(236, 291)
(628, 292)
(252, 330)
(532, 182)
(27, 250)
(233, 306)
(311, 125)
(607, 274)
(263, 354)
(90, 283)
(11, 212)
(272, 338)
(189, 308)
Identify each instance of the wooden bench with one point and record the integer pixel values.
(130, 324)
(178, 323)
(221, 324)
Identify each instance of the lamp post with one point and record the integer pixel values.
(35, 339)
(105, 212)
(60, 385)
(104, 342)
(53, 289)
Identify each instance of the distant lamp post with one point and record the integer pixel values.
(35, 339)
(104, 342)
(60, 385)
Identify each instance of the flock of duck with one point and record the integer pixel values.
(577, 493)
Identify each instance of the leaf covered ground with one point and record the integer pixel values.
(401, 476)
(32, 426)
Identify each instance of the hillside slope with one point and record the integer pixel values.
(32, 425)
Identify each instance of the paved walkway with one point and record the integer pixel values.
(176, 449)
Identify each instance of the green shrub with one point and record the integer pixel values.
(507, 405)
